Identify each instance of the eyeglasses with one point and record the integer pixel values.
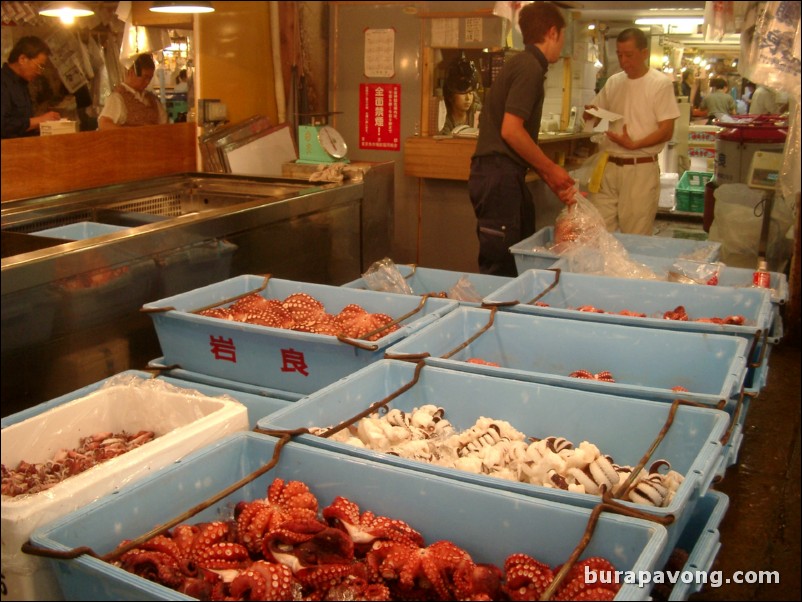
(40, 67)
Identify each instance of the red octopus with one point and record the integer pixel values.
(366, 528)
(285, 501)
(417, 573)
(604, 375)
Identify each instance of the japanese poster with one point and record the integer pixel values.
(379, 52)
(380, 116)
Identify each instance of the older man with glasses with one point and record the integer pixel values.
(26, 62)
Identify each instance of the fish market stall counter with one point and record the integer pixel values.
(77, 267)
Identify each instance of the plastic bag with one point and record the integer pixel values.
(464, 290)
(586, 176)
(581, 237)
(384, 276)
(694, 272)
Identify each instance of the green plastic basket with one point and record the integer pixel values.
(690, 193)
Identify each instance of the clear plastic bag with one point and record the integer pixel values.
(580, 236)
(464, 290)
(384, 276)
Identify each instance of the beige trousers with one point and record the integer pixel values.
(629, 197)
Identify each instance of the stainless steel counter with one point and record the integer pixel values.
(70, 309)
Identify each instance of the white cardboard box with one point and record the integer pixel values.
(62, 126)
(183, 420)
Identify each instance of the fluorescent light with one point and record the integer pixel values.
(673, 21)
(66, 11)
(182, 7)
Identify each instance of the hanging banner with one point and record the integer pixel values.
(380, 116)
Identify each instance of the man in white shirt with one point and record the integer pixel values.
(130, 103)
(766, 101)
(630, 188)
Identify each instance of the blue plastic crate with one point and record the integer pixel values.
(645, 362)
(185, 419)
(287, 360)
(103, 296)
(563, 291)
(534, 253)
(489, 524)
(623, 428)
(193, 266)
(195, 377)
(732, 447)
(80, 230)
(702, 540)
(424, 281)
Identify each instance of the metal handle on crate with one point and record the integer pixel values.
(151, 310)
(376, 405)
(557, 272)
(764, 334)
(476, 335)
(407, 357)
(608, 504)
(736, 415)
(657, 440)
(372, 347)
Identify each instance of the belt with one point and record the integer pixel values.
(632, 160)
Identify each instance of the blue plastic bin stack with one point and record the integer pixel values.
(654, 298)
(531, 389)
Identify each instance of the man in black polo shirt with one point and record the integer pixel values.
(507, 145)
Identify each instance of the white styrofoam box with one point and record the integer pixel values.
(183, 420)
(668, 184)
(62, 126)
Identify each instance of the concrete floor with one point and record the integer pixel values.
(761, 529)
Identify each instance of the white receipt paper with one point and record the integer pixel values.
(603, 114)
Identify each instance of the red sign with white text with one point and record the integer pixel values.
(380, 111)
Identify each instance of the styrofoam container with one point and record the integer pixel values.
(196, 377)
(424, 281)
(651, 297)
(621, 427)
(534, 253)
(645, 362)
(183, 420)
(702, 540)
(489, 524)
(80, 230)
(288, 360)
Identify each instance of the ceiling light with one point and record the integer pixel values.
(182, 7)
(66, 11)
(673, 21)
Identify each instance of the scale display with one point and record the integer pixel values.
(764, 171)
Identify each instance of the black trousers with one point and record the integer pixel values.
(504, 209)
